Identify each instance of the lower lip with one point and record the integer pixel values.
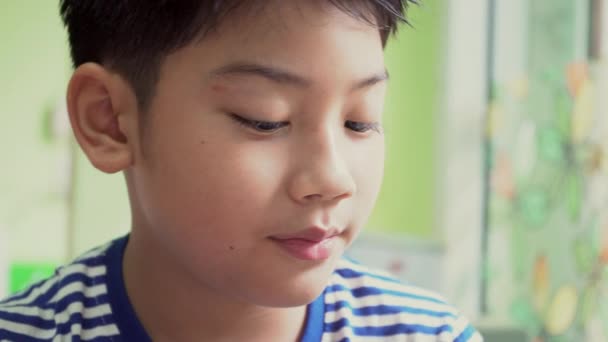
(306, 249)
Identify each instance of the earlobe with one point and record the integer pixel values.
(97, 117)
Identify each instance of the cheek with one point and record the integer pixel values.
(247, 174)
(368, 171)
(369, 163)
(219, 185)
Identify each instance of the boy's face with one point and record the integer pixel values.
(235, 203)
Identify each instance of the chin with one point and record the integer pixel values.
(294, 298)
(293, 292)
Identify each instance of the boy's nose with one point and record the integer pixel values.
(321, 174)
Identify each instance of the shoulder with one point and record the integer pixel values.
(363, 302)
(73, 299)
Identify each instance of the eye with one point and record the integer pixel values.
(260, 126)
(362, 127)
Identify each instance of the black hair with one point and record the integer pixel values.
(132, 37)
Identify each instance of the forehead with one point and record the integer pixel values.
(303, 36)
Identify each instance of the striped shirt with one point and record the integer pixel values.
(87, 301)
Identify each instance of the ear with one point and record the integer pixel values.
(103, 113)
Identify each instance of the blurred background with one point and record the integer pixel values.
(496, 186)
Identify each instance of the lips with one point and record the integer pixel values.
(313, 244)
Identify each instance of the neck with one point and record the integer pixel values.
(172, 306)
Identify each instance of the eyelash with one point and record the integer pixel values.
(363, 127)
(271, 126)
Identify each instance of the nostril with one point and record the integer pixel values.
(313, 197)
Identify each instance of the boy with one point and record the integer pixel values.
(249, 136)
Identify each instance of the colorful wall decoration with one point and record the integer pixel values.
(547, 225)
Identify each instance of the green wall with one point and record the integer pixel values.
(33, 74)
(414, 61)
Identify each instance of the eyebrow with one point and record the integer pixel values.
(281, 76)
